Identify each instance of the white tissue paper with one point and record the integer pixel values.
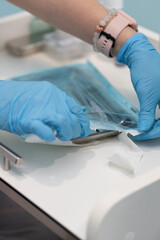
(128, 155)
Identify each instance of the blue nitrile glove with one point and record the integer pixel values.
(154, 132)
(144, 63)
(37, 107)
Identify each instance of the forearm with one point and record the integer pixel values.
(78, 18)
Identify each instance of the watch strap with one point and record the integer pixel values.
(109, 35)
(112, 30)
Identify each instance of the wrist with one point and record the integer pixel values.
(121, 39)
(134, 48)
(113, 35)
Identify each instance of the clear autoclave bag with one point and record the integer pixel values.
(106, 108)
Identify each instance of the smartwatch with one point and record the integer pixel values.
(109, 35)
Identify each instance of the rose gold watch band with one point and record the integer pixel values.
(109, 35)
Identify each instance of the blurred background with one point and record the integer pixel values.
(146, 12)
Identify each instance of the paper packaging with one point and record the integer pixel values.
(106, 108)
(128, 155)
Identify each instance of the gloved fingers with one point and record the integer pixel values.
(74, 107)
(146, 117)
(146, 121)
(79, 111)
(153, 133)
(76, 126)
(68, 128)
(62, 124)
(41, 130)
(85, 125)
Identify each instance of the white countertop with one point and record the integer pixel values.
(66, 182)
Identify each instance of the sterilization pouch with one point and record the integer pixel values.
(106, 108)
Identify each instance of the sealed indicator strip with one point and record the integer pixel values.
(106, 108)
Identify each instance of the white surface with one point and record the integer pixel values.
(117, 4)
(67, 182)
(14, 26)
(127, 154)
(128, 214)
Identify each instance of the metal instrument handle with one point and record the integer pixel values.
(95, 136)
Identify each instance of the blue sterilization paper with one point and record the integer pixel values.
(106, 107)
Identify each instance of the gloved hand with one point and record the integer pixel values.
(144, 63)
(37, 107)
(154, 132)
